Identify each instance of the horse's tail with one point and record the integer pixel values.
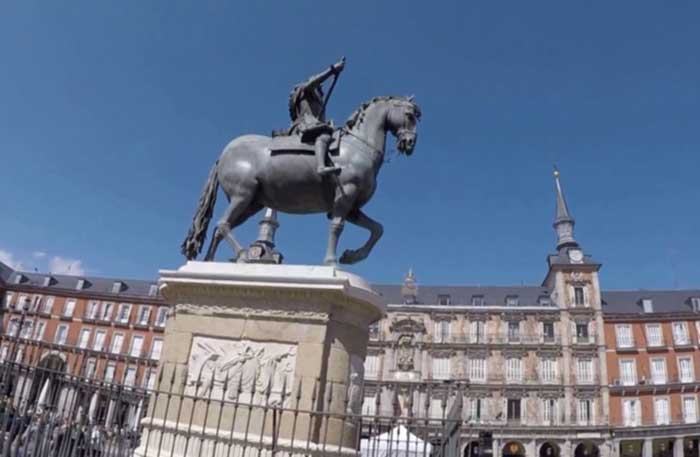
(198, 231)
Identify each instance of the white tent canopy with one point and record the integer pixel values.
(398, 442)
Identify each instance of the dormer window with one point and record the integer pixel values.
(443, 300)
(544, 300)
(512, 300)
(477, 300)
(48, 281)
(19, 278)
(647, 305)
(117, 287)
(153, 290)
(695, 304)
(80, 285)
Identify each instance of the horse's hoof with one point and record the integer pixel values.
(348, 257)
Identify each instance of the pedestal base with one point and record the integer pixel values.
(260, 354)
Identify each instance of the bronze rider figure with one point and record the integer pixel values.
(307, 108)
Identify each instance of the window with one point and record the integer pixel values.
(680, 333)
(22, 301)
(109, 372)
(150, 379)
(477, 334)
(90, 367)
(695, 303)
(582, 332)
(690, 413)
(136, 346)
(27, 329)
(544, 301)
(144, 315)
(514, 371)
(80, 285)
(117, 343)
(36, 302)
(624, 336)
(130, 376)
(123, 313)
(513, 409)
(61, 334)
(153, 290)
(99, 343)
(157, 348)
(655, 336)
(369, 405)
(40, 329)
(658, 371)
(117, 287)
(512, 300)
(477, 369)
(513, 332)
(584, 371)
(661, 411)
(3, 353)
(548, 331)
(549, 411)
(441, 368)
(13, 327)
(442, 331)
(84, 339)
(48, 305)
(8, 299)
(69, 308)
(685, 369)
(162, 316)
(585, 412)
(443, 299)
(548, 370)
(631, 412)
(628, 372)
(106, 313)
(92, 309)
(371, 364)
(478, 300)
(474, 405)
(580, 296)
(647, 305)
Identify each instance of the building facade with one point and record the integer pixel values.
(563, 368)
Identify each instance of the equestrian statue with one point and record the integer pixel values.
(310, 168)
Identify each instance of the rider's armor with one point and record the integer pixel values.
(307, 110)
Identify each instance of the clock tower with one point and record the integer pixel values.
(572, 279)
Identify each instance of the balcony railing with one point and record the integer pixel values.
(503, 338)
(674, 420)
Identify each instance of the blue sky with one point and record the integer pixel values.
(112, 114)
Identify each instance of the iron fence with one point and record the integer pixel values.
(61, 401)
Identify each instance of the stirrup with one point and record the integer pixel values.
(327, 170)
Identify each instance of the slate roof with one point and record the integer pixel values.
(5, 272)
(462, 295)
(663, 301)
(92, 284)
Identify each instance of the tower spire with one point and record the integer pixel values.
(563, 222)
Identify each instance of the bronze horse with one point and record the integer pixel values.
(253, 178)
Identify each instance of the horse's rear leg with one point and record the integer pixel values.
(237, 212)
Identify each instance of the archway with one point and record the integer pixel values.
(46, 383)
(472, 449)
(549, 449)
(513, 449)
(586, 449)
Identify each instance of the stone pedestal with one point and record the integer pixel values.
(260, 357)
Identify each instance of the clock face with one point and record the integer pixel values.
(576, 255)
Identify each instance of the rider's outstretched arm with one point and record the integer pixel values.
(324, 75)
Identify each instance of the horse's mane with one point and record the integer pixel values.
(357, 116)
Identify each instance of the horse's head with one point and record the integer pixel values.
(402, 121)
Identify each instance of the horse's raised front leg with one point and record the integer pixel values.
(376, 231)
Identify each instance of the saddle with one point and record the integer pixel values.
(293, 144)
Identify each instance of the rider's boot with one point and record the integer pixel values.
(321, 151)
